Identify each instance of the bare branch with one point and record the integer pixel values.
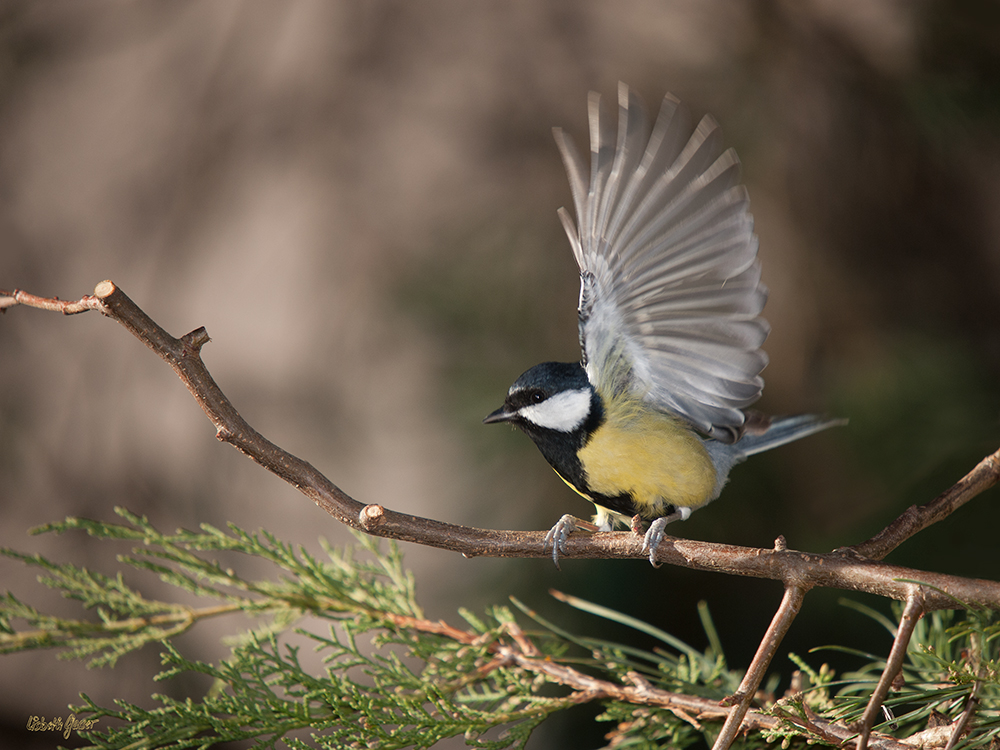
(849, 569)
(840, 734)
(912, 613)
(915, 519)
(66, 307)
(692, 709)
(963, 724)
(742, 699)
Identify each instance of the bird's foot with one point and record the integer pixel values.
(654, 535)
(559, 533)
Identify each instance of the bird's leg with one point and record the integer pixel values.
(655, 533)
(559, 533)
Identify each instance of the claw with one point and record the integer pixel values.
(558, 535)
(654, 535)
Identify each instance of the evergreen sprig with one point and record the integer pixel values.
(336, 586)
(953, 658)
(392, 679)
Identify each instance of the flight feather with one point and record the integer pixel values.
(670, 295)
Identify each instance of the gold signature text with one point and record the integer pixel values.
(58, 724)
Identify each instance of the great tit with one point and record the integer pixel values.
(650, 421)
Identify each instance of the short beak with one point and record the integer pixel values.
(500, 415)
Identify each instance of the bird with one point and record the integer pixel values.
(650, 420)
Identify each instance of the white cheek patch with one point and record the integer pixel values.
(563, 412)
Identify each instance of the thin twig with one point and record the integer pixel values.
(912, 613)
(524, 654)
(917, 518)
(66, 307)
(791, 601)
(961, 726)
(839, 734)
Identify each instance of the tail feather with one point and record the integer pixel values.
(785, 430)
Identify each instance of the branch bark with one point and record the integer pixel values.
(741, 700)
(521, 652)
(851, 569)
(917, 518)
(912, 613)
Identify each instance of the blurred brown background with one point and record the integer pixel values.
(357, 200)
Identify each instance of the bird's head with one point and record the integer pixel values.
(553, 396)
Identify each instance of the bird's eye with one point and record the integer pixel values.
(537, 397)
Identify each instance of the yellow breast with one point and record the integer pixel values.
(654, 456)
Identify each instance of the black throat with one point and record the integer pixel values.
(560, 448)
(561, 451)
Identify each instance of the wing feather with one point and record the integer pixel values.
(670, 292)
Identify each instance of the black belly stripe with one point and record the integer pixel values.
(625, 505)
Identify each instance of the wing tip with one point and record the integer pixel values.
(627, 180)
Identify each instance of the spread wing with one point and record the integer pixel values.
(671, 291)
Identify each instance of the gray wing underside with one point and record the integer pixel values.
(671, 293)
